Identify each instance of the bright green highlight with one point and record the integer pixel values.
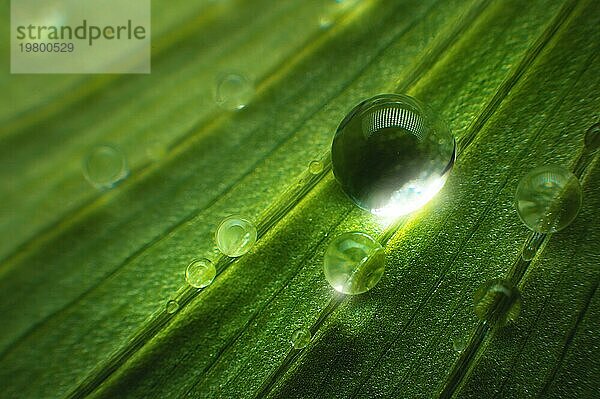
(548, 199)
(235, 236)
(354, 263)
(200, 273)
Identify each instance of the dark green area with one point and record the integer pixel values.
(81, 271)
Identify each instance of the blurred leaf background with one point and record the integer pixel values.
(81, 269)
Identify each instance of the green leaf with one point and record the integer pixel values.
(85, 275)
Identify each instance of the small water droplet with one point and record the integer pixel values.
(353, 263)
(234, 91)
(325, 22)
(104, 166)
(528, 252)
(300, 338)
(172, 306)
(592, 137)
(315, 167)
(548, 199)
(391, 154)
(497, 301)
(200, 273)
(459, 344)
(235, 236)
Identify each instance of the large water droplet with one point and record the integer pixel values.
(235, 236)
(392, 154)
(548, 199)
(104, 166)
(354, 263)
(497, 301)
(200, 273)
(234, 91)
(300, 338)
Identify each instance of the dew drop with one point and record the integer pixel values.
(592, 137)
(391, 154)
(200, 273)
(234, 91)
(548, 199)
(459, 344)
(235, 236)
(172, 306)
(497, 301)
(528, 252)
(354, 263)
(315, 167)
(104, 166)
(325, 22)
(300, 338)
